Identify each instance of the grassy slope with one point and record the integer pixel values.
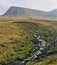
(52, 60)
(14, 39)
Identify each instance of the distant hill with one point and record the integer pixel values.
(20, 11)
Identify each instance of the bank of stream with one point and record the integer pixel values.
(39, 52)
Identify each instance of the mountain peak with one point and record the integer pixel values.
(55, 10)
(20, 11)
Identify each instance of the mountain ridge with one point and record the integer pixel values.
(21, 11)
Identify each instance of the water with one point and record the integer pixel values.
(34, 53)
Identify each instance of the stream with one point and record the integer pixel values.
(35, 53)
(37, 50)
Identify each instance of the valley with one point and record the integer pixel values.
(28, 41)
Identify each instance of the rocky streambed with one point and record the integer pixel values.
(40, 50)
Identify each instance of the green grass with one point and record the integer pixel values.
(15, 42)
(52, 60)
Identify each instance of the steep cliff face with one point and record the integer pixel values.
(20, 11)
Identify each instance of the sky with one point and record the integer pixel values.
(45, 5)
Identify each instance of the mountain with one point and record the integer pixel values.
(53, 13)
(20, 11)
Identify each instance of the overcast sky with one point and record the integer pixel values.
(45, 5)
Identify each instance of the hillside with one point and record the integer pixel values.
(17, 37)
(20, 11)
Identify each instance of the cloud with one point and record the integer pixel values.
(5, 2)
(4, 5)
(34, 4)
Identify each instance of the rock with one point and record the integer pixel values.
(17, 62)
